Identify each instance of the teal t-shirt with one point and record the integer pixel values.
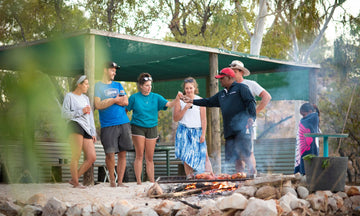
(145, 109)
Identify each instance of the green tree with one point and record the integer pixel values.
(122, 16)
(23, 20)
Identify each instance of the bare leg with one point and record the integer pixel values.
(252, 164)
(149, 158)
(110, 164)
(139, 144)
(76, 142)
(121, 166)
(208, 167)
(239, 166)
(90, 155)
(188, 170)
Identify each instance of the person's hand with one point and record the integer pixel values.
(87, 109)
(179, 95)
(187, 99)
(202, 138)
(250, 123)
(94, 139)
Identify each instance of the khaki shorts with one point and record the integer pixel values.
(148, 133)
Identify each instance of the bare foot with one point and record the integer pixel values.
(112, 184)
(139, 183)
(71, 181)
(122, 185)
(80, 186)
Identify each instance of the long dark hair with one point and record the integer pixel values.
(308, 107)
(143, 77)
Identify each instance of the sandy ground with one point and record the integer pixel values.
(100, 193)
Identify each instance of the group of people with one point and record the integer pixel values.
(119, 134)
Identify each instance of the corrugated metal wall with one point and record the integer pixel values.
(272, 155)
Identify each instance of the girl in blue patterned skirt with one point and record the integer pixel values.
(190, 144)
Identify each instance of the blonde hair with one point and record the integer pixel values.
(193, 81)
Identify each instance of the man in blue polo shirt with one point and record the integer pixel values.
(238, 108)
(110, 99)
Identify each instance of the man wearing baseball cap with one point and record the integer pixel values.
(110, 99)
(255, 89)
(238, 109)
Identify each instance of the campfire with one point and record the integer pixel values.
(203, 184)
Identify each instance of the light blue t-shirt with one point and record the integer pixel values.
(114, 114)
(145, 109)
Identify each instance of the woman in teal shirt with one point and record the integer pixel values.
(145, 106)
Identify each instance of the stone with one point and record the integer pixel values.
(54, 207)
(332, 205)
(287, 183)
(39, 199)
(87, 210)
(165, 208)
(299, 203)
(99, 209)
(355, 200)
(235, 201)
(353, 191)
(30, 210)
(210, 210)
(302, 191)
(266, 192)
(142, 211)
(155, 189)
(9, 208)
(248, 191)
(317, 202)
(74, 210)
(121, 207)
(186, 211)
(285, 190)
(258, 207)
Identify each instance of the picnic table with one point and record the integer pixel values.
(326, 137)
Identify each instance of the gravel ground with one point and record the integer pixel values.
(100, 193)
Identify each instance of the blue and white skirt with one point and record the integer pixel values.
(189, 149)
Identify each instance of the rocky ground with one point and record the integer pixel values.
(265, 195)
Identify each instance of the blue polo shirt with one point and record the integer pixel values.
(237, 105)
(145, 109)
(114, 114)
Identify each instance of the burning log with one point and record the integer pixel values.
(180, 194)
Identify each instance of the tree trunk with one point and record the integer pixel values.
(256, 38)
(88, 178)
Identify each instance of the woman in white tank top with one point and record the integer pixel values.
(190, 144)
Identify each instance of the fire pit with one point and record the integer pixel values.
(182, 179)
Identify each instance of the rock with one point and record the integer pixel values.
(287, 183)
(87, 210)
(37, 199)
(165, 208)
(210, 210)
(54, 207)
(353, 191)
(286, 200)
(155, 189)
(121, 207)
(74, 210)
(355, 200)
(100, 210)
(30, 210)
(258, 207)
(285, 190)
(273, 180)
(302, 191)
(235, 201)
(141, 211)
(186, 211)
(267, 192)
(332, 205)
(343, 195)
(9, 208)
(248, 191)
(299, 203)
(317, 202)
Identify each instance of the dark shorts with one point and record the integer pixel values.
(76, 128)
(116, 138)
(148, 133)
(237, 147)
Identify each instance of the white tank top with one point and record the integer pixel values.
(191, 118)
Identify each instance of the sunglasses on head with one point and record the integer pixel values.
(147, 78)
(189, 80)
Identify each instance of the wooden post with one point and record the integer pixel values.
(213, 116)
(313, 86)
(89, 70)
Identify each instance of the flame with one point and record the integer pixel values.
(216, 187)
